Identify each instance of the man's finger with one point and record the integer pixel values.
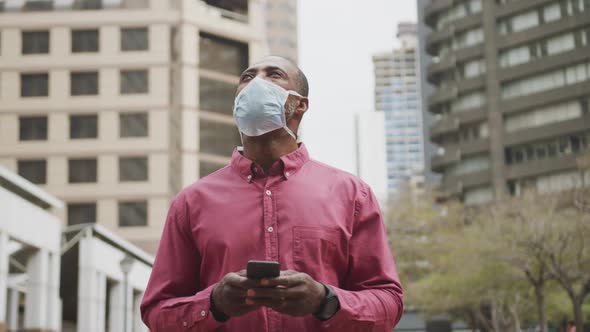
(272, 293)
(237, 280)
(290, 280)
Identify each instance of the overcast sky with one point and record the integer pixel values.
(337, 39)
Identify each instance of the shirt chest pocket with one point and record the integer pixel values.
(318, 251)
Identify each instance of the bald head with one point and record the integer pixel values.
(279, 70)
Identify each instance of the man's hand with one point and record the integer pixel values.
(292, 293)
(230, 294)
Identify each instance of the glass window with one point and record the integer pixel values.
(35, 42)
(85, 41)
(82, 170)
(132, 214)
(32, 128)
(216, 96)
(223, 55)
(561, 44)
(83, 126)
(37, 5)
(34, 85)
(218, 138)
(83, 83)
(525, 21)
(206, 168)
(134, 39)
(87, 4)
(552, 13)
(81, 213)
(133, 169)
(33, 170)
(133, 124)
(134, 81)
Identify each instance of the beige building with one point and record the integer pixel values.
(114, 105)
(281, 25)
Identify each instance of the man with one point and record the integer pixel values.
(273, 203)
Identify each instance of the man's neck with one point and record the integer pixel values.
(265, 150)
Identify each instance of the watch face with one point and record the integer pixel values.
(330, 308)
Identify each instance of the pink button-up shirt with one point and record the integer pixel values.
(308, 216)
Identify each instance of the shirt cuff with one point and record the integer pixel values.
(342, 319)
(197, 312)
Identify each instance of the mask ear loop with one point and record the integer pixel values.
(289, 131)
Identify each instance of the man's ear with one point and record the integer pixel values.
(302, 107)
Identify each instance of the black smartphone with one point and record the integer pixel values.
(263, 269)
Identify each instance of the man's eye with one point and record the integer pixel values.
(275, 74)
(247, 77)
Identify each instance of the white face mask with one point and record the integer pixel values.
(260, 108)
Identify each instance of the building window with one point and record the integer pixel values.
(33, 170)
(133, 169)
(84, 83)
(216, 96)
(37, 5)
(544, 116)
(34, 85)
(133, 124)
(222, 55)
(218, 138)
(132, 214)
(554, 148)
(85, 41)
(134, 39)
(81, 213)
(206, 168)
(87, 4)
(82, 170)
(32, 128)
(83, 126)
(134, 81)
(35, 42)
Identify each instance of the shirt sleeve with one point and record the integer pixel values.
(371, 297)
(172, 300)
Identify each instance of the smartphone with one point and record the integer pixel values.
(263, 269)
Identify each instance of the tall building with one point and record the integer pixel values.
(115, 105)
(397, 94)
(512, 90)
(281, 28)
(431, 178)
(370, 152)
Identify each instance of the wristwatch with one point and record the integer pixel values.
(329, 306)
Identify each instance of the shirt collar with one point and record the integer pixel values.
(290, 163)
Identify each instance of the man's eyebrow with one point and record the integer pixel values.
(247, 71)
(273, 68)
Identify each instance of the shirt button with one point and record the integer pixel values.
(203, 313)
(184, 324)
(270, 229)
(288, 174)
(268, 193)
(249, 177)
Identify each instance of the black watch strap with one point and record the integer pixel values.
(217, 314)
(329, 306)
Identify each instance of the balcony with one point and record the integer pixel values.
(54, 5)
(442, 95)
(540, 167)
(434, 8)
(446, 125)
(544, 98)
(437, 37)
(435, 69)
(450, 156)
(455, 185)
(548, 131)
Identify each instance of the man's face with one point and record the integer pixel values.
(274, 69)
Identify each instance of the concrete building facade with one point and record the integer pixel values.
(29, 260)
(397, 94)
(281, 28)
(115, 105)
(512, 91)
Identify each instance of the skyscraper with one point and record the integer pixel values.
(512, 90)
(397, 93)
(281, 28)
(115, 105)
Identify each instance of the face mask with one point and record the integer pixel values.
(260, 108)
